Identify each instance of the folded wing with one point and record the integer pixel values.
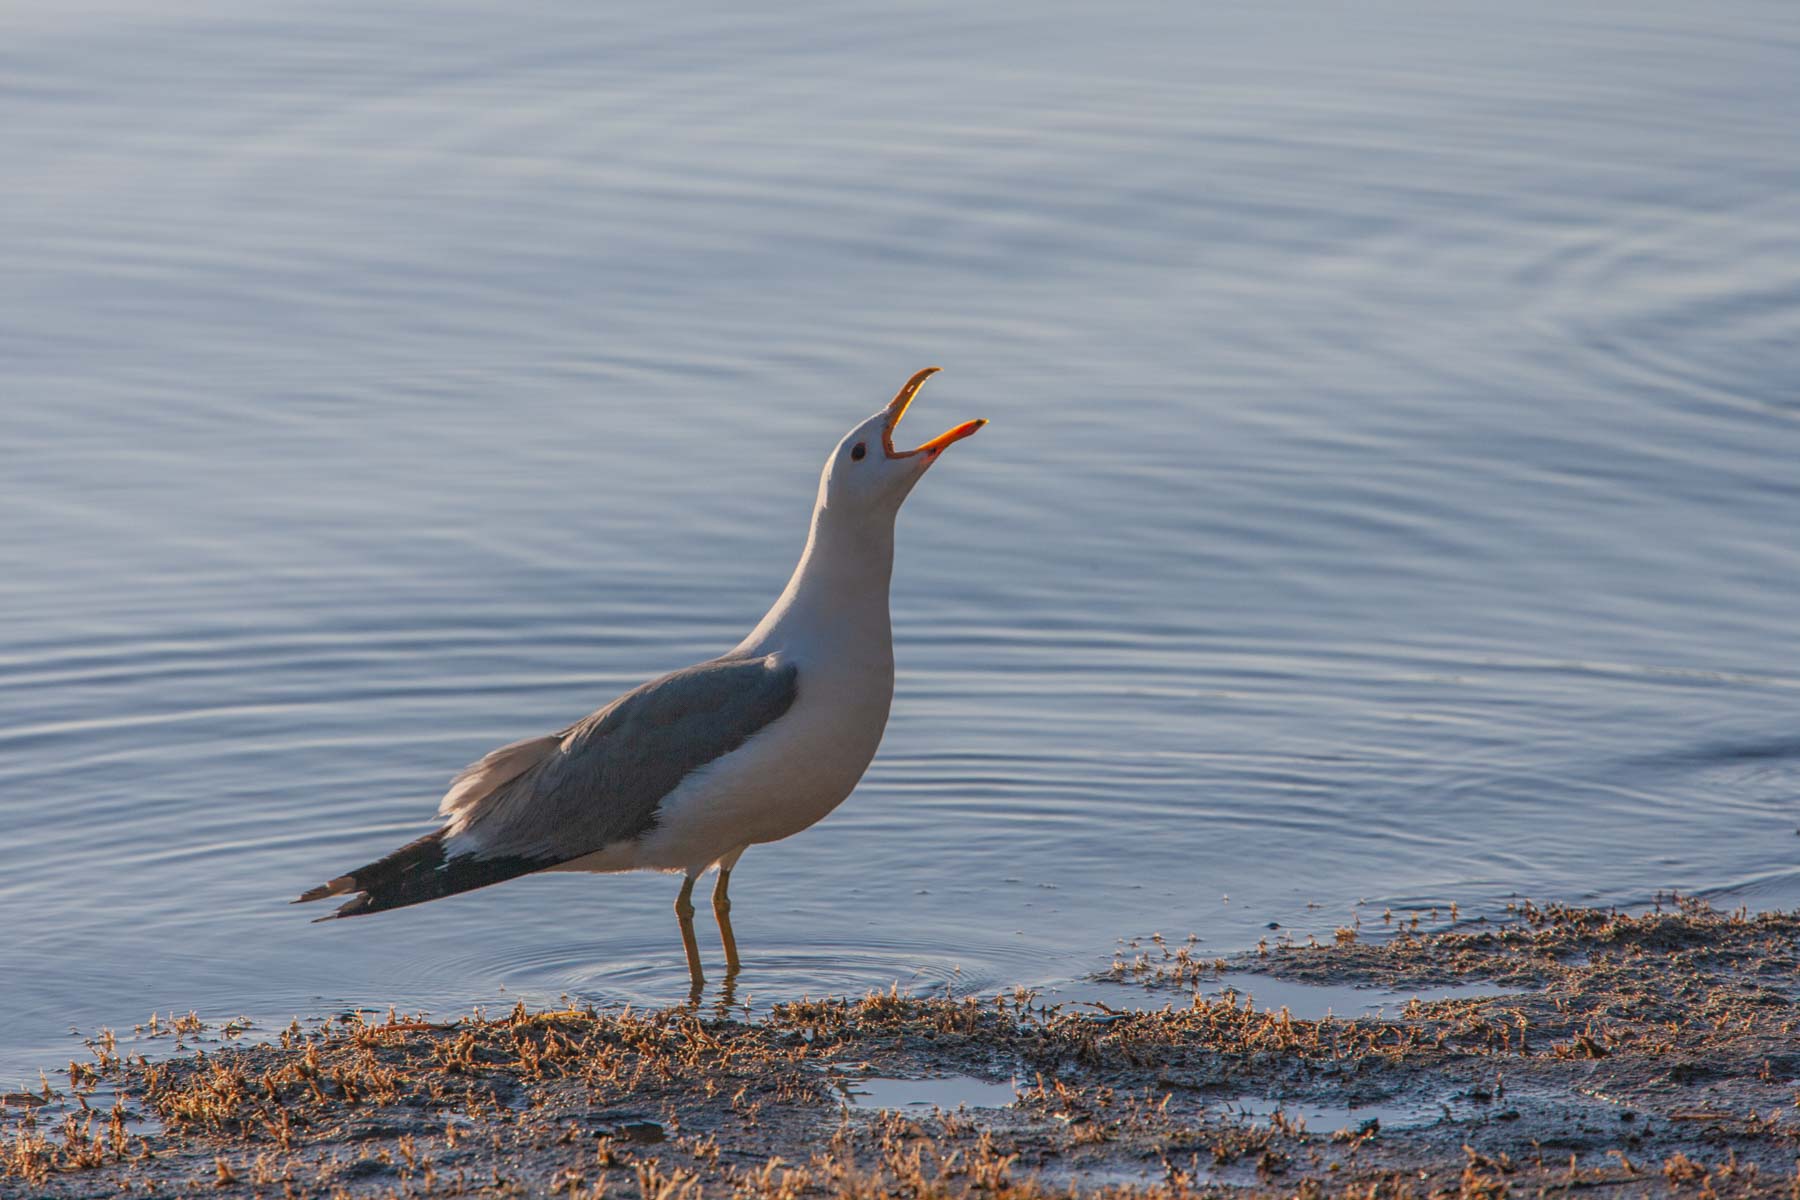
(550, 800)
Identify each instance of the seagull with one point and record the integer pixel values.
(688, 771)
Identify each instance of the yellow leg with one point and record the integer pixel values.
(722, 911)
(684, 912)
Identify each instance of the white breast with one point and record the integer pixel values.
(785, 778)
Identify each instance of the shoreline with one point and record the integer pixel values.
(1575, 1049)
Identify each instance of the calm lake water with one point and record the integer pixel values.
(1392, 496)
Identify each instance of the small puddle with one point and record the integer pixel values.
(92, 1104)
(1333, 1118)
(948, 1092)
(1078, 1176)
(1316, 1001)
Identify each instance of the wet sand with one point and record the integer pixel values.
(1649, 1053)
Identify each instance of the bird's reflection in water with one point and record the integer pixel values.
(725, 1003)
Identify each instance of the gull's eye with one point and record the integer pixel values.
(858, 451)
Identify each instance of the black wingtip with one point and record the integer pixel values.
(354, 907)
(331, 887)
(415, 873)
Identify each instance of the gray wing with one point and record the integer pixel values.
(557, 798)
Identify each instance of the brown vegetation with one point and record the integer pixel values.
(1652, 1053)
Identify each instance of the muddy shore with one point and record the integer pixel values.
(1581, 1051)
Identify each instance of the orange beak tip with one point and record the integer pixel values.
(949, 437)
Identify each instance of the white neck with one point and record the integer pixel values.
(837, 601)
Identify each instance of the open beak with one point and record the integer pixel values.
(897, 408)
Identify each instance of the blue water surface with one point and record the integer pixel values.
(1392, 496)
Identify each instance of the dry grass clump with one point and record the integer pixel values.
(80, 1141)
(1683, 979)
(1158, 964)
(475, 1068)
(1540, 945)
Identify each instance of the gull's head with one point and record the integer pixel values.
(868, 473)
